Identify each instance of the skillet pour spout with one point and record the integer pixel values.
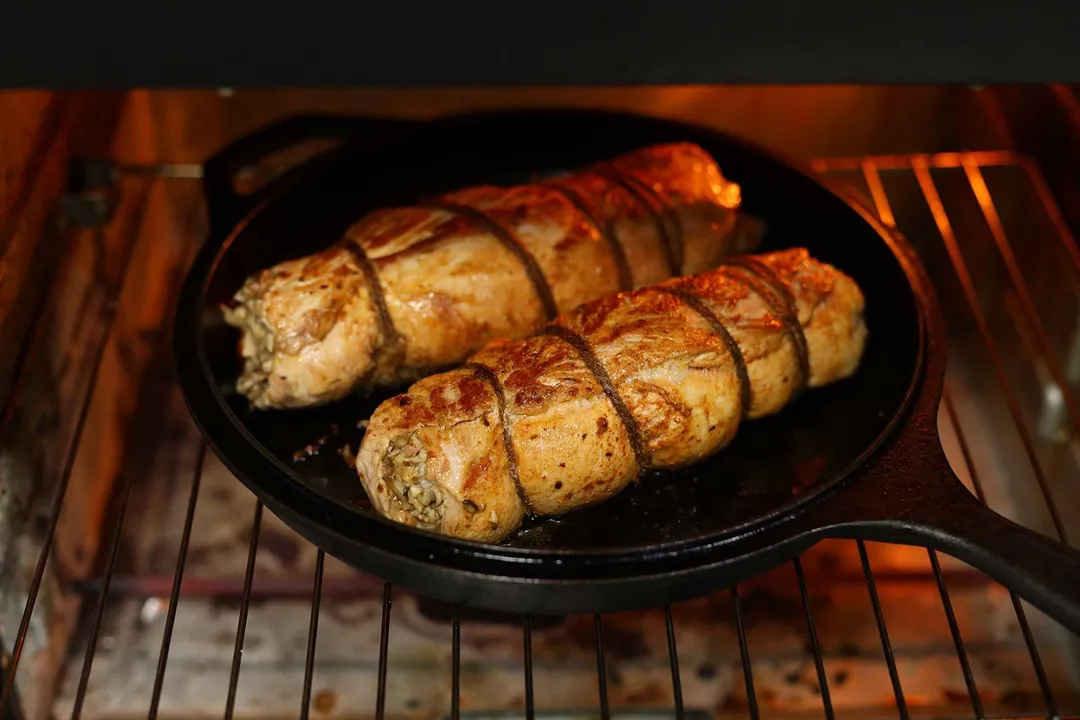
(878, 471)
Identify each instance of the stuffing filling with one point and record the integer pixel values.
(256, 343)
(404, 470)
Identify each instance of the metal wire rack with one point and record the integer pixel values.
(936, 201)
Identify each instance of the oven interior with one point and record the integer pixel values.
(139, 578)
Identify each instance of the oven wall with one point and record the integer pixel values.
(47, 350)
(806, 121)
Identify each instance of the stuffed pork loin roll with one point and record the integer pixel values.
(655, 378)
(414, 289)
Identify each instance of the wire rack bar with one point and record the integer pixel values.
(103, 597)
(886, 643)
(673, 658)
(384, 651)
(455, 675)
(245, 606)
(815, 645)
(526, 632)
(601, 669)
(313, 631)
(744, 653)
(958, 639)
(945, 160)
(1050, 207)
(877, 191)
(178, 579)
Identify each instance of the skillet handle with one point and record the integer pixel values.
(933, 509)
(1042, 571)
(226, 206)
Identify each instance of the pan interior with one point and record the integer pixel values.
(772, 464)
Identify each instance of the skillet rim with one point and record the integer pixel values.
(352, 525)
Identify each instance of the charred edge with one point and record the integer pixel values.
(618, 253)
(512, 242)
(778, 297)
(666, 241)
(695, 303)
(488, 375)
(378, 297)
(588, 356)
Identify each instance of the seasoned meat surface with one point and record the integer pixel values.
(659, 377)
(412, 290)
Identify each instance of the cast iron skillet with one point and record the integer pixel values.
(860, 459)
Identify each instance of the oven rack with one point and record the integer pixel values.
(932, 199)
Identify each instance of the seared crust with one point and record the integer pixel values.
(415, 289)
(619, 385)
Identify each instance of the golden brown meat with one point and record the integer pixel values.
(416, 289)
(655, 378)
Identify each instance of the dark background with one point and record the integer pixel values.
(487, 42)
